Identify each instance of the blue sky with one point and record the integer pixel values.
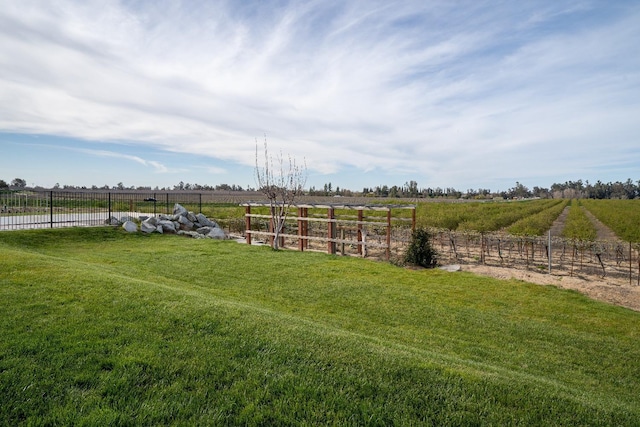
(463, 94)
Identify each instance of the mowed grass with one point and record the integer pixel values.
(100, 327)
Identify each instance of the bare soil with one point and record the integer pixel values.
(558, 224)
(603, 232)
(614, 291)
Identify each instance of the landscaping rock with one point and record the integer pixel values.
(153, 221)
(217, 233)
(130, 226)
(112, 221)
(204, 221)
(185, 224)
(167, 226)
(179, 210)
(181, 222)
(147, 227)
(204, 230)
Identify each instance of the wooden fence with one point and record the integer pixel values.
(342, 227)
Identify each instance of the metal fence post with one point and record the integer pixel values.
(200, 194)
(51, 208)
(109, 198)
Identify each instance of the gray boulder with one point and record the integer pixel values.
(204, 221)
(167, 226)
(153, 220)
(159, 229)
(179, 210)
(191, 217)
(147, 227)
(185, 224)
(204, 230)
(217, 233)
(130, 226)
(113, 221)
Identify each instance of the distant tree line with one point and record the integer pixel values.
(19, 183)
(16, 183)
(570, 189)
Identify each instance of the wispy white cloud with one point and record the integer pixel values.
(449, 92)
(215, 170)
(155, 165)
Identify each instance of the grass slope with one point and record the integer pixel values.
(103, 327)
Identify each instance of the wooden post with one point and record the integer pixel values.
(301, 230)
(247, 224)
(360, 219)
(331, 246)
(305, 212)
(388, 234)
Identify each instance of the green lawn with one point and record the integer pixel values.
(101, 327)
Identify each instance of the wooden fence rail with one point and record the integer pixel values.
(335, 221)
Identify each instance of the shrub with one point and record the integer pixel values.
(420, 252)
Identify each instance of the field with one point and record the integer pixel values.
(622, 216)
(487, 217)
(102, 327)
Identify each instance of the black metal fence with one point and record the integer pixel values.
(50, 208)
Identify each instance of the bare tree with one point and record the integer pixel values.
(281, 184)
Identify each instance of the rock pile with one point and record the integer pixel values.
(181, 222)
